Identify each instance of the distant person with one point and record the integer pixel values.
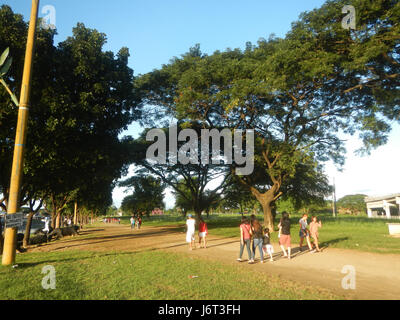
(267, 246)
(140, 221)
(69, 222)
(314, 226)
(132, 223)
(245, 239)
(190, 230)
(304, 232)
(203, 232)
(284, 235)
(46, 221)
(257, 232)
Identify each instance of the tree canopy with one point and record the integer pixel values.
(82, 100)
(298, 93)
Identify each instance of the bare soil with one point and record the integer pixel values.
(377, 275)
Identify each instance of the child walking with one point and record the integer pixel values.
(203, 232)
(304, 232)
(267, 246)
(314, 226)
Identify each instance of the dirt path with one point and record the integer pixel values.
(377, 275)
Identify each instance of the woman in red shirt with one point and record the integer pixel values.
(245, 239)
(203, 232)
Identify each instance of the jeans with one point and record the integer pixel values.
(258, 243)
(247, 243)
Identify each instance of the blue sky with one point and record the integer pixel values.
(156, 31)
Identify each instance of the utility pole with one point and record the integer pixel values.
(334, 199)
(10, 239)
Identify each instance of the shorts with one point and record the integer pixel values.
(190, 236)
(284, 240)
(304, 233)
(268, 248)
(202, 234)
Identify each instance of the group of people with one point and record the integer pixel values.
(67, 222)
(191, 230)
(112, 220)
(253, 236)
(136, 222)
(252, 231)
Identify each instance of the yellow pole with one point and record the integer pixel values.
(10, 239)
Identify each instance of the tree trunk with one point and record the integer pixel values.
(75, 213)
(266, 199)
(198, 213)
(58, 220)
(53, 219)
(27, 234)
(268, 217)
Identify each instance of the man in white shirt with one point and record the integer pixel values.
(190, 230)
(46, 221)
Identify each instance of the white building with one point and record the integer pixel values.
(384, 206)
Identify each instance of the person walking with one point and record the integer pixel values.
(267, 246)
(257, 232)
(284, 235)
(140, 221)
(132, 223)
(304, 232)
(245, 239)
(203, 232)
(190, 230)
(46, 221)
(314, 226)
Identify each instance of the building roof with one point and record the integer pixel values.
(379, 198)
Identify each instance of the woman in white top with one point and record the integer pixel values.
(190, 230)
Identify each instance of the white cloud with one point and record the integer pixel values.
(376, 174)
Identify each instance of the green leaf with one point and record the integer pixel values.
(4, 69)
(4, 56)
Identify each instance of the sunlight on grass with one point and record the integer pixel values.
(145, 275)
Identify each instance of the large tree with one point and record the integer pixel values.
(297, 93)
(148, 194)
(198, 183)
(82, 100)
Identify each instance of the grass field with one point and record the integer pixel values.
(347, 232)
(146, 275)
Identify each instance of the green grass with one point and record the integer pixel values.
(145, 275)
(347, 232)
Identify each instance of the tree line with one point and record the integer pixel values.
(82, 100)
